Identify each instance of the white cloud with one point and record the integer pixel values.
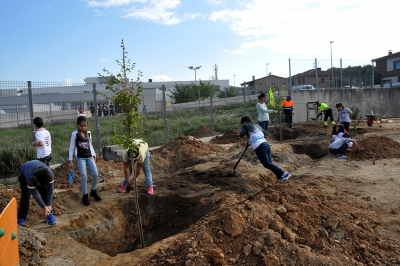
(216, 2)
(103, 60)
(161, 78)
(300, 26)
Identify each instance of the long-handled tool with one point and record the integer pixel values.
(240, 158)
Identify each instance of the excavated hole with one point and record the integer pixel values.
(117, 232)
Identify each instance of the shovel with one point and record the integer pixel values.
(240, 158)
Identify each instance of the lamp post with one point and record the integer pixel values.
(331, 66)
(195, 80)
(234, 80)
(267, 75)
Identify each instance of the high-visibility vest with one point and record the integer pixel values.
(287, 105)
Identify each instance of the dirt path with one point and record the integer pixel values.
(330, 212)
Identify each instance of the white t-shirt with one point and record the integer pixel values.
(45, 150)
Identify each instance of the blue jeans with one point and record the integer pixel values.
(90, 163)
(341, 150)
(263, 153)
(263, 125)
(146, 171)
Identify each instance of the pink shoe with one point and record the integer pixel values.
(150, 190)
(122, 188)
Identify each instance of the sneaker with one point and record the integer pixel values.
(285, 176)
(51, 220)
(122, 188)
(341, 156)
(150, 190)
(21, 221)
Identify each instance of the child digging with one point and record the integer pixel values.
(256, 138)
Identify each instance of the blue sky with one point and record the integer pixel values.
(68, 40)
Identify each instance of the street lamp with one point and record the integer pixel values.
(195, 80)
(267, 76)
(234, 82)
(331, 66)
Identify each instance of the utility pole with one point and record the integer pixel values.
(216, 71)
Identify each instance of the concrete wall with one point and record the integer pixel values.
(378, 100)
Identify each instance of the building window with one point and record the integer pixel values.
(260, 84)
(304, 82)
(273, 85)
(322, 79)
(396, 65)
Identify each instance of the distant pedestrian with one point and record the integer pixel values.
(81, 140)
(256, 137)
(287, 106)
(42, 141)
(81, 111)
(111, 109)
(344, 116)
(92, 110)
(36, 179)
(263, 112)
(99, 110)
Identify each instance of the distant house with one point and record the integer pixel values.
(263, 84)
(389, 67)
(309, 77)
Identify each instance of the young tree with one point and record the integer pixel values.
(127, 95)
(183, 93)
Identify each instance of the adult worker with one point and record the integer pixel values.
(323, 108)
(287, 106)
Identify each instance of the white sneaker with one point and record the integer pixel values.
(285, 176)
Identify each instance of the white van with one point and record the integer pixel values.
(303, 87)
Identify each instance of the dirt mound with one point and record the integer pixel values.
(202, 132)
(285, 224)
(182, 152)
(230, 136)
(374, 147)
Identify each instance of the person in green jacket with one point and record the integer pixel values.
(327, 111)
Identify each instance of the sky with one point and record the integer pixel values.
(69, 40)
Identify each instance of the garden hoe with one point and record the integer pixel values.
(245, 149)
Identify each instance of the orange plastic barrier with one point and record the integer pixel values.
(9, 235)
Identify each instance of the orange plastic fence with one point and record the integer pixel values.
(9, 235)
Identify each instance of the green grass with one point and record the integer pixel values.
(19, 148)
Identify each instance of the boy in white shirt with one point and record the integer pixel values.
(42, 142)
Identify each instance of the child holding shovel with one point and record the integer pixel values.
(256, 137)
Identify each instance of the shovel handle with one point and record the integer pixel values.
(247, 145)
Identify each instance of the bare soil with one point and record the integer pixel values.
(330, 212)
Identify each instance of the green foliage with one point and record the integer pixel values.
(357, 72)
(228, 92)
(183, 93)
(127, 95)
(12, 157)
(355, 117)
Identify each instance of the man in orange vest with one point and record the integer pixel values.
(287, 106)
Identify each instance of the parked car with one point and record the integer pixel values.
(303, 87)
(348, 87)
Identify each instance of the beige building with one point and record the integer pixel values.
(263, 84)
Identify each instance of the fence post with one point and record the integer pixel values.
(17, 116)
(51, 120)
(244, 96)
(165, 113)
(211, 111)
(31, 109)
(97, 121)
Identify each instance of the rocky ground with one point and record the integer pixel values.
(330, 212)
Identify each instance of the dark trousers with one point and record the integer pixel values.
(263, 125)
(46, 160)
(288, 117)
(263, 153)
(346, 125)
(23, 207)
(328, 113)
(341, 150)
